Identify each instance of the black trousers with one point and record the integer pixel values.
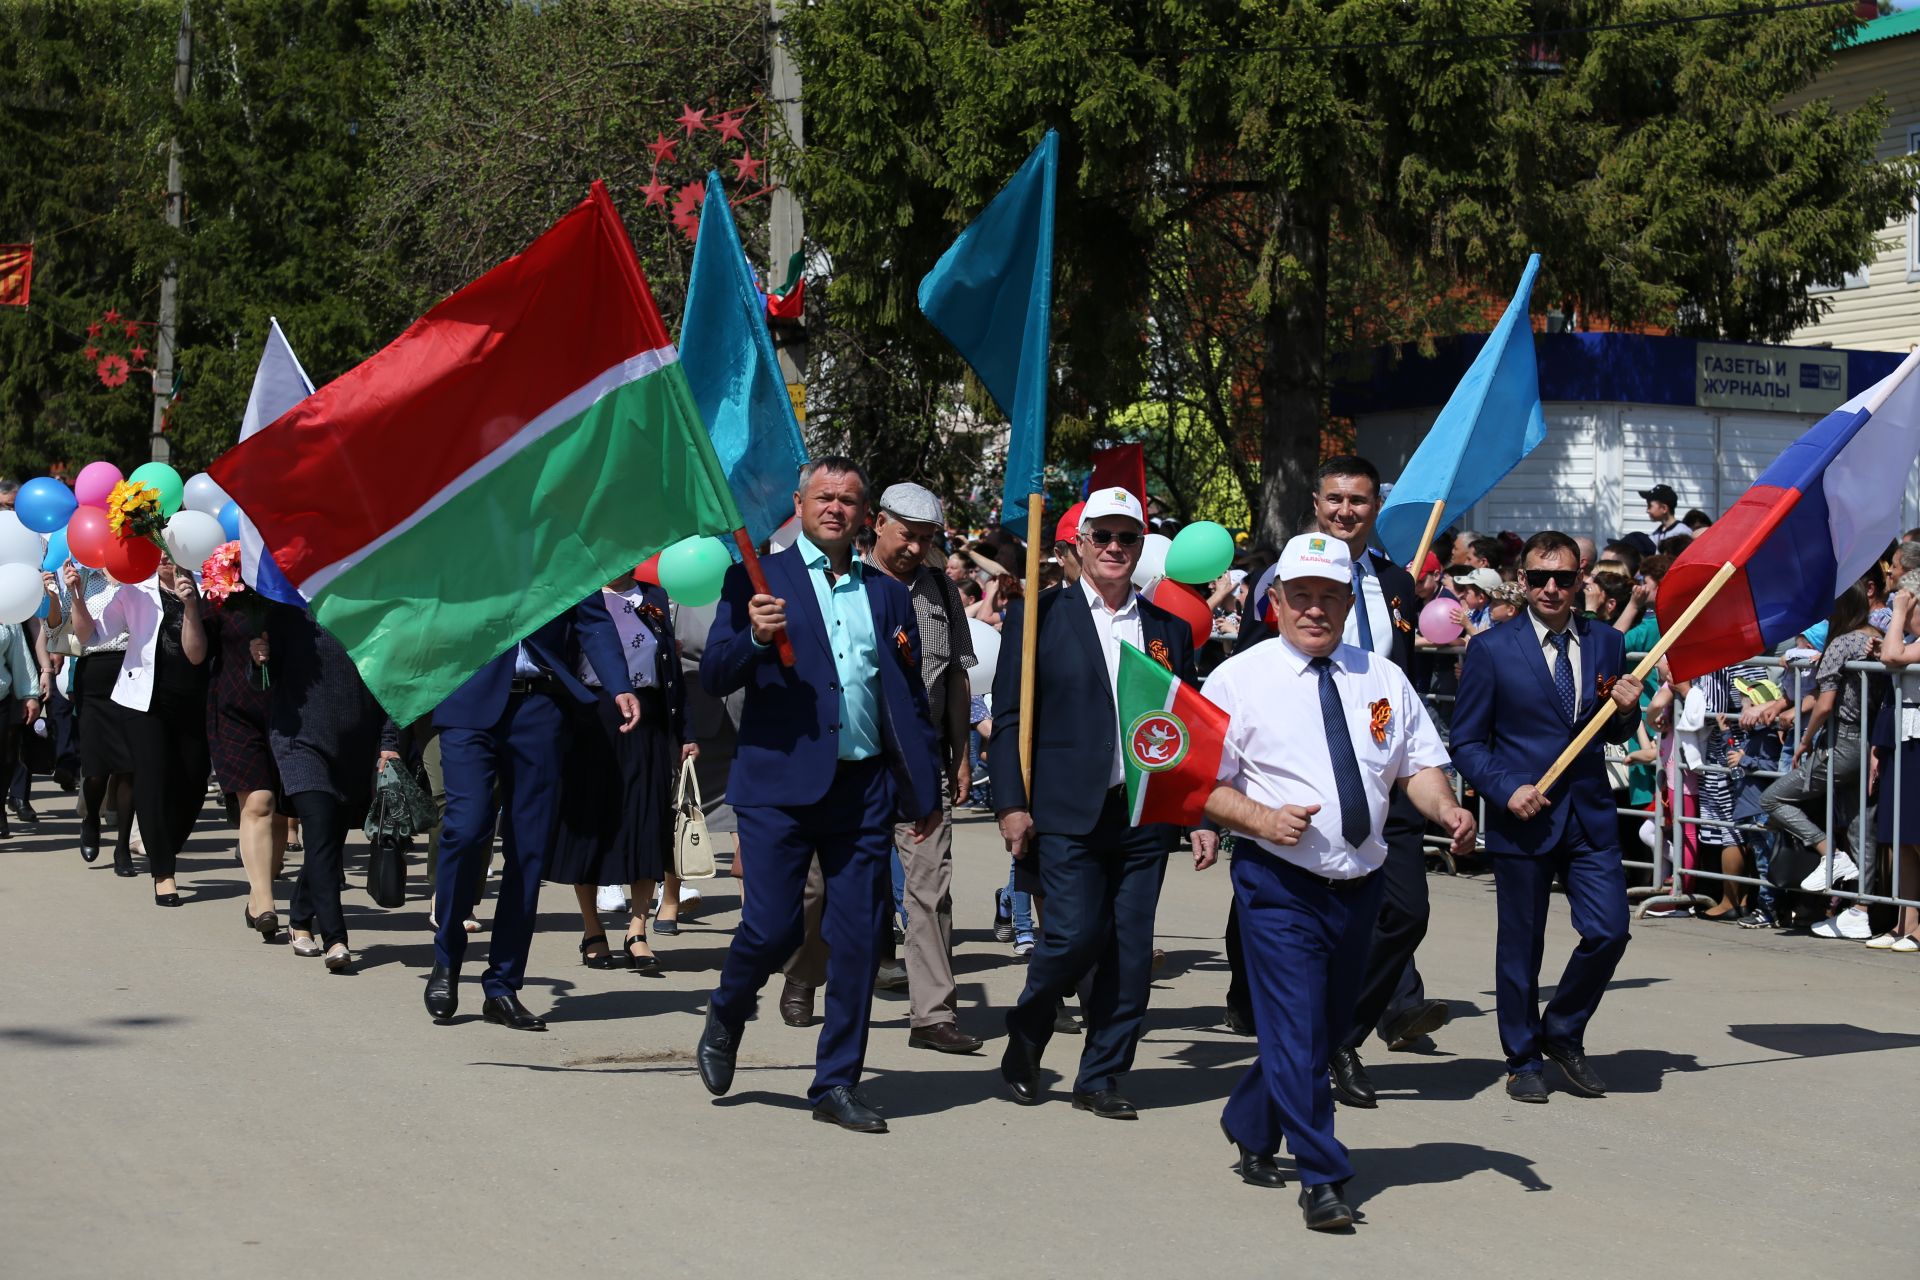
(1404, 911)
(168, 744)
(315, 903)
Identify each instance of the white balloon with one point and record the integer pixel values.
(203, 493)
(19, 544)
(20, 592)
(1153, 560)
(191, 537)
(986, 649)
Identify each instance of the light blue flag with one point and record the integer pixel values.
(278, 385)
(728, 357)
(991, 295)
(1491, 421)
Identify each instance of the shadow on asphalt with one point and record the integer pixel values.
(1384, 1168)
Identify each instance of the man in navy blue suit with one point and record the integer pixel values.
(1100, 875)
(831, 751)
(1526, 688)
(505, 727)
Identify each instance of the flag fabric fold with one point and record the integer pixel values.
(1491, 421)
(16, 275)
(278, 385)
(727, 352)
(526, 441)
(991, 296)
(1816, 520)
(1172, 739)
(1124, 466)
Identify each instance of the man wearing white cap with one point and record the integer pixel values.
(1100, 876)
(1320, 734)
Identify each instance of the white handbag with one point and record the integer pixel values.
(692, 846)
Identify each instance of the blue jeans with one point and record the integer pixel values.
(1019, 905)
(899, 887)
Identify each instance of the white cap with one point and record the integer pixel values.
(1112, 502)
(1486, 579)
(1317, 555)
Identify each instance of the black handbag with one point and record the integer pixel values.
(387, 872)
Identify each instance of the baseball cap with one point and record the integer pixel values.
(1112, 502)
(1486, 579)
(1661, 493)
(1068, 529)
(1316, 555)
(911, 502)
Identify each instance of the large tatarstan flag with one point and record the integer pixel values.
(1170, 742)
(526, 441)
(1813, 522)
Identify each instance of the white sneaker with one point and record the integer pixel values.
(1850, 924)
(1883, 942)
(1817, 880)
(1907, 945)
(611, 898)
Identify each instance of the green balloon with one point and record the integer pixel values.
(164, 478)
(692, 570)
(1200, 553)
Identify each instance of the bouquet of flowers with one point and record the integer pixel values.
(133, 511)
(222, 586)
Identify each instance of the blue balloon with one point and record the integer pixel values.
(41, 612)
(56, 550)
(230, 520)
(44, 504)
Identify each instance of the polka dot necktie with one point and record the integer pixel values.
(1356, 824)
(1563, 674)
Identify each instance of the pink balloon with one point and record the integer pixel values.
(95, 482)
(1436, 620)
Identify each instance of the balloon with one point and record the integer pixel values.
(56, 551)
(19, 544)
(20, 592)
(230, 521)
(94, 483)
(648, 570)
(986, 648)
(1436, 620)
(166, 480)
(88, 537)
(133, 560)
(692, 569)
(203, 493)
(1153, 560)
(192, 536)
(1200, 553)
(44, 504)
(45, 608)
(1186, 604)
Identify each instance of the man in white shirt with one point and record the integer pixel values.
(1321, 732)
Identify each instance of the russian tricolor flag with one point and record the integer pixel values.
(1813, 522)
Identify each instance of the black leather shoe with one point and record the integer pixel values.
(1324, 1208)
(1423, 1019)
(796, 1004)
(1254, 1169)
(1579, 1073)
(26, 814)
(443, 993)
(715, 1054)
(1351, 1084)
(1064, 1023)
(1106, 1104)
(1237, 1022)
(842, 1106)
(509, 1012)
(1527, 1086)
(1020, 1068)
(166, 899)
(943, 1037)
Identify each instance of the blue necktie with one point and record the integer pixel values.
(1563, 674)
(1360, 607)
(1355, 823)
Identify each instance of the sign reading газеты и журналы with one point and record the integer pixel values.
(1731, 375)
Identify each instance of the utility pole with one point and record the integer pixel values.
(787, 231)
(163, 372)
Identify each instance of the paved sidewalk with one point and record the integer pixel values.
(181, 1100)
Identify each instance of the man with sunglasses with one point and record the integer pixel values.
(1100, 876)
(1526, 688)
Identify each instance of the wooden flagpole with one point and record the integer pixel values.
(1667, 637)
(1426, 539)
(750, 559)
(1030, 637)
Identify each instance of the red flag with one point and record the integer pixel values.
(16, 274)
(1124, 467)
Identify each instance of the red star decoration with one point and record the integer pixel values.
(729, 126)
(655, 191)
(663, 147)
(113, 371)
(92, 353)
(686, 209)
(130, 328)
(691, 120)
(110, 316)
(747, 169)
(93, 330)
(139, 354)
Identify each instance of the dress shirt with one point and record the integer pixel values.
(523, 664)
(636, 641)
(849, 622)
(1113, 626)
(945, 638)
(1276, 751)
(1373, 598)
(1551, 656)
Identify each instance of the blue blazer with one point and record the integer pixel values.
(585, 628)
(788, 748)
(1508, 729)
(1074, 718)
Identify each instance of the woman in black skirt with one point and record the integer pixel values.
(105, 765)
(616, 797)
(239, 701)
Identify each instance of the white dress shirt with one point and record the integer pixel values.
(1277, 751)
(135, 611)
(1551, 656)
(1113, 626)
(1373, 598)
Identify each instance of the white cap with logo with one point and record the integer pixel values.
(1316, 555)
(1113, 501)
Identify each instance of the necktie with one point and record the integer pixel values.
(1355, 823)
(1562, 673)
(1360, 608)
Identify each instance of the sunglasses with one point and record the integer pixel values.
(1101, 537)
(1561, 578)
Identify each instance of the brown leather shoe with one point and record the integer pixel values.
(796, 1004)
(943, 1037)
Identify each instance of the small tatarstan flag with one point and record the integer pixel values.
(1171, 742)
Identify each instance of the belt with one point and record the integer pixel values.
(534, 684)
(1338, 886)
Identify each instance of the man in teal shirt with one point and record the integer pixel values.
(842, 597)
